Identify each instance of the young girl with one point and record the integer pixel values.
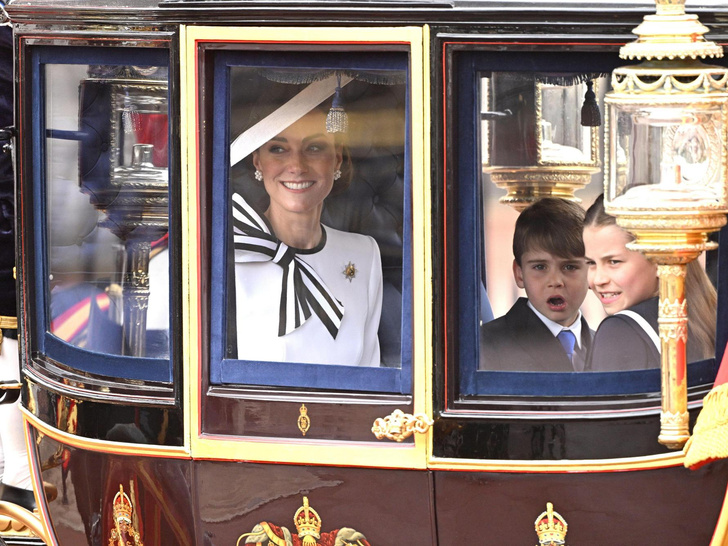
(626, 283)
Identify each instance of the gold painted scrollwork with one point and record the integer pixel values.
(674, 308)
(671, 270)
(399, 426)
(18, 523)
(674, 331)
(674, 419)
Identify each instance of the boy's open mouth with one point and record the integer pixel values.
(557, 303)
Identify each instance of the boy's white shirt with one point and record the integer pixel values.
(555, 327)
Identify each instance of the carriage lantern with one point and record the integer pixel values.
(666, 165)
(541, 134)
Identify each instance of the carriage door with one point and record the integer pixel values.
(308, 355)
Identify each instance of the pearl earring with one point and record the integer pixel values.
(337, 174)
(258, 175)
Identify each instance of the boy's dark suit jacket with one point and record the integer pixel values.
(520, 342)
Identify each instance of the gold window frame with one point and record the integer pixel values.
(306, 451)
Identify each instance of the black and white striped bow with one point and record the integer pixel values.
(302, 290)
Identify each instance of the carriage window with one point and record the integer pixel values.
(310, 285)
(533, 329)
(106, 196)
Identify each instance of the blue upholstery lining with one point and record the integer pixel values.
(317, 376)
(582, 384)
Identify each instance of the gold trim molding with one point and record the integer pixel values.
(102, 446)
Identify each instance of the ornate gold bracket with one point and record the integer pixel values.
(399, 426)
(10, 323)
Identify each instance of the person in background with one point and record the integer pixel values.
(545, 331)
(626, 283)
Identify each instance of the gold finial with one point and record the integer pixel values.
(670, 34)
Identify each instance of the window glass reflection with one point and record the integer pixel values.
(533, 134)
(317, 205)
(106, 193)
(531, 130)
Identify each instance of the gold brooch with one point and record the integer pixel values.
(349, 271)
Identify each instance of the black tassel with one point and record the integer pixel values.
(337, 120)
(590, 114)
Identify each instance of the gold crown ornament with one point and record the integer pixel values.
(308, 524)
(550, 527)
(123, 532)
(122, 506)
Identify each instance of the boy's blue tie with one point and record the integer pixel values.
(567, 339)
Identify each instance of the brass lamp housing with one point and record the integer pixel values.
(529, 165)
(667, 171)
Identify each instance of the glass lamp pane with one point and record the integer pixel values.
(106, 189)
(671, 151)
(563, 138)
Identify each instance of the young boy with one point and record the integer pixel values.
(549, 264)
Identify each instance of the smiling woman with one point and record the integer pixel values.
(293, 303)
(299, 167)
(310, 221)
